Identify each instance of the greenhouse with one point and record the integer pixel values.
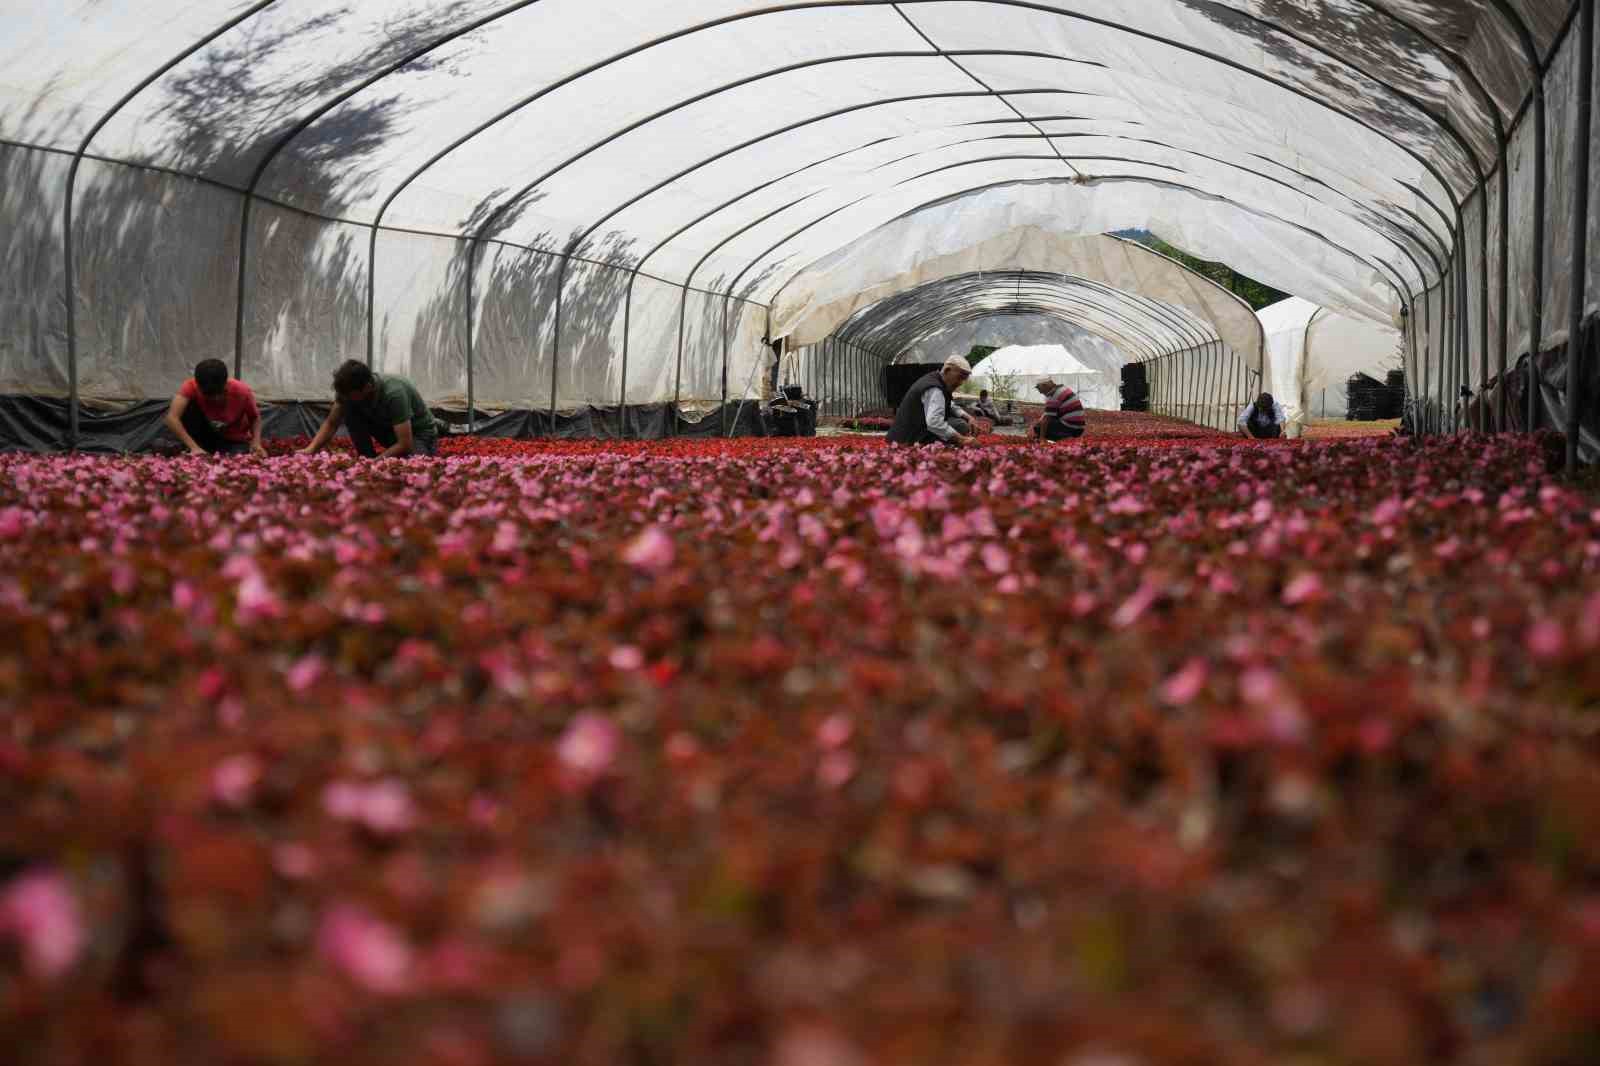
(499, 562)
(286, 185)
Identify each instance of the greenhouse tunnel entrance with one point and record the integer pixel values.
(1190, 355)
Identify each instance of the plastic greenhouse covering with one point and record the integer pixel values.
(571, 206)
(1312, 352)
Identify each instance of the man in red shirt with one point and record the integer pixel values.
(212, 415)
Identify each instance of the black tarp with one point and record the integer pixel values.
(39, 424)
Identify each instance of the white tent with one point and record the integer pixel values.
(1012, 372)
(1312, 352)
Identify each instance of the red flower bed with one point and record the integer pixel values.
(801, 752)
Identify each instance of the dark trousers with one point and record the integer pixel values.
(368, 434)
(1265, 430)
(199, 427)
(1054, 430)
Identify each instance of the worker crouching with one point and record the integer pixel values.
(927, 414)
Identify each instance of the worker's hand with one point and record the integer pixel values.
(307, 450)
(195, 449)
(257, 450)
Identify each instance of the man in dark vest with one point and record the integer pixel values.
(927, 412)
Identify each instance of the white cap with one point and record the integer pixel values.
(960, 363)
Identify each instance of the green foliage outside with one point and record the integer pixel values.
(979, 353)
(1251, 291)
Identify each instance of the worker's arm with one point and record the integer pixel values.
(256, 447)
(1244, 421)
(330, 426)
(933, 414)
(180, 403)
(402, 442)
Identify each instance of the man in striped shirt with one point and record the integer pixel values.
(1063, 413)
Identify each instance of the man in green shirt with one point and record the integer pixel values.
(378, 409)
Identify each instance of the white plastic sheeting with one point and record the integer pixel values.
(1141, 326)
(525, 198)
(920, 249)
(1312, 352)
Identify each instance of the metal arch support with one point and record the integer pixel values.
(930, 323)
(311, 119)
(1398, 284)
(950, 57)
(832, 3)
(69, 279)
(1124, 334)
(1133, 340)
(1580, 229)
(527, 189)
(1011, 3)
(1124, 330)
(1041, 285)
(1535, 66)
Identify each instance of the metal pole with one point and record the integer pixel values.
(1483, 307)
(677, 387)
(1463, 342)
(1501, 403)
(1423, 415)
(472, 253)
(555, 342)
(1580, 228)
(1536, 320)
(722, 412)
(622, 389)
(1447, 371)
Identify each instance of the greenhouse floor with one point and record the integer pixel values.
(1155, 747)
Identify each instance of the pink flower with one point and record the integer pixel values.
(1135, 606)
(233, 782)
(835, 770)
(815, 1044)
(256, 599)
(1186, 684)
(507, 538)
(1546, 639)
(995, 559)
(1127, 503)
(835, 731)
(1388, 512)
(305, 673)
(185, 597)
(1304, 588)
(651, 551)
(626, 657)
(590, 745)
(39, 911)
(13, 523)
(384, 807)
(370, 952)
(388, 808)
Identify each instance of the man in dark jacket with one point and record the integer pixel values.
(927, 412)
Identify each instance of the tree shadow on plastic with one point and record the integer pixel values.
(156, 255)
(1354, 38)
(516, 355)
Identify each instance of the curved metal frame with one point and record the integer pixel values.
(1535, 96)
